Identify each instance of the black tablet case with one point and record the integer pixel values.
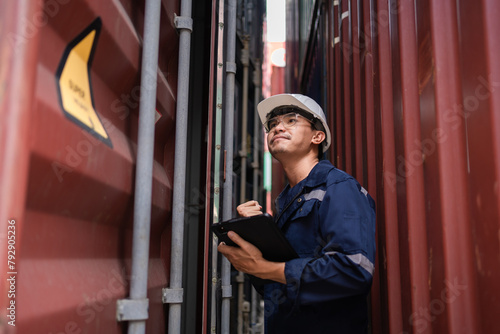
(260, 231)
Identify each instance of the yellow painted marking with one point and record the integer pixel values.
(74, 84)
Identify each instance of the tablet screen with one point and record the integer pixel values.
(260, 231)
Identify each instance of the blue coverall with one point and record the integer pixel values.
(329, 219)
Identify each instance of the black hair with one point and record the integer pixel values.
(320, 151)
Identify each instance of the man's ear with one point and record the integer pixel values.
(319, 137)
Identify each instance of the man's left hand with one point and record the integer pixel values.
(248, 259)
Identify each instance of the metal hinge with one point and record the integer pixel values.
(227, 291)
(172, 296)
(183, 22)
(231, 67)
(132, 309)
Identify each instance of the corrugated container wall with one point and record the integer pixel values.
(412, 91)
(70, 90)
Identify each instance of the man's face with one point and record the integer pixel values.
(290, 134)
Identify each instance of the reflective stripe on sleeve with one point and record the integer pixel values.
(360, 260)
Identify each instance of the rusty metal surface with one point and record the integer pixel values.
(388, 244)
(477, 86)
(417, 238)
(17, 77)
(359, 125)
(413, 97)
(456, 217)
(490, 12)
(73, 258)
(346, 52)
(372, 115)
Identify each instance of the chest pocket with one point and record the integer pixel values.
(302, 229)
(304, 210)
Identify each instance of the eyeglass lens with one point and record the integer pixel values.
(289, 121)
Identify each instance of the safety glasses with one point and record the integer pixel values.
(289, 121)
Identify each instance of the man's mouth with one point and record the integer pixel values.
(279, 137)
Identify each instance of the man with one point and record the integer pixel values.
(327, 217)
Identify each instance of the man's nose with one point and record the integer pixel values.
(280, 127)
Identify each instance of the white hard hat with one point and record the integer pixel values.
(295, 100)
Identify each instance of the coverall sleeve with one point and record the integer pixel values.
(345, 264)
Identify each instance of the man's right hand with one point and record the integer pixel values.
(250, 208)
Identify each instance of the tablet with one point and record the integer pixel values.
(260, 231)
